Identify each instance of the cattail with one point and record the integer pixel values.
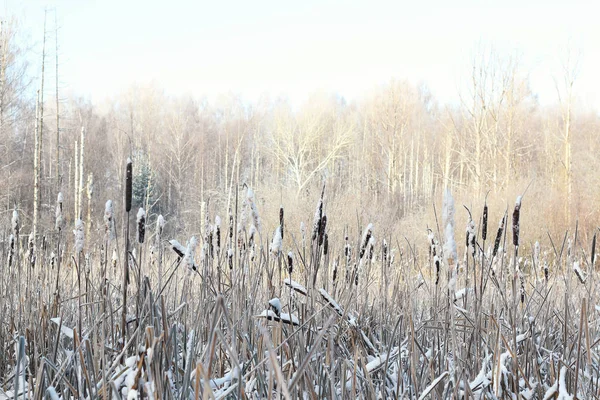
(436, 261)
(499, 236)
(252, 202)
(52, 260)
(251, 235)
(210, 241)
(471, 236)
(593, 257)
(317, 219)
(177, 248)
(325, 244)
(230, 258)
(578, 272)
(160, 226)
(322, 227)
(485, 221)
(385, 250)
(281, 220)
(114, 259)
(11, 249)
(79, 236)
(546, 270)
(31, 247)
(128, 184)
(218, 233)
(275, 304)
(371, 248)
(188, 258)
(141, 223)
(515, 221)
(15, 224)
(109, 221)
(290, 261)
(231, 225)
(276, 243)
(59, 220)
(335, 270)
(365, 240)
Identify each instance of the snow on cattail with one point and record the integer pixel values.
(59, 220)
(290, 261)
(275, 304)
(515, 221)
(281, 220)
(109, 220)
(160, 226)
(188, 258)
(79, 236)
(276, 243)
(11, 249)
(114, 259)
(366, 237)
(431, 241)
(177, 248)
(498, 236)
(230, 258)
(371, 248)
(128, 184)
(471, 235)
(141, 223)
(254, 210)
(15, 223)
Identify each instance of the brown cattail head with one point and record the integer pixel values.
(141, 222)
(290, 260)
(593, 258)
(365, 240)
(515, 221)
(335, 270)
(281, 220)
(218, 233)
(128, 184)
(485, 221)
(230, 226)
(325, 244)
(322, 227)
(499, 236)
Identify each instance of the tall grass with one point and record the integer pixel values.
(400, 317)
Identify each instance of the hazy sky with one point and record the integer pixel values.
(295, 48)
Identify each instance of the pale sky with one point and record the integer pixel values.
(293, 49)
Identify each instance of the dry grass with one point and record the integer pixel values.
(359, 317)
